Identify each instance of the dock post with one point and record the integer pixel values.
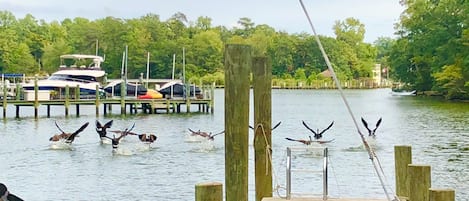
(77, 92)
(48, 110)
(36, 100)
(212, 96)
(17, 111)
(168, 105)
(419, 182)
(105, 109)
(402, 158)
(5, 96)
(123, 94)
(209, 191)
(441, 194)
(96, 102)
(188, 97)
(18, 91)
(262, 79)
(237, 68)
(67, 99)
(77, 97)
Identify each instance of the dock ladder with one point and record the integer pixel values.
(289, 170)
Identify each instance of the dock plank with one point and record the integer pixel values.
(320, 199)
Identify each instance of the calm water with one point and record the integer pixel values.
(437, 131)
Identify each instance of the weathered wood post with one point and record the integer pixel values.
(77, 97)
(77, 92)
(5, 97)
(441, 194)
(97, 102)
(262, 79)
(168, 106)
(123, 94)
(36, 100)
(188, 97)
(402, 158)
(209, 191)
(419, 182)
(67, 99)
(237, 68)
(212, 98)
(18, 91)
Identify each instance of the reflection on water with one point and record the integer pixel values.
(170, 168)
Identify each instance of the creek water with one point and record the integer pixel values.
(437, 130)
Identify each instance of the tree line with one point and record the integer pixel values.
(430, 53)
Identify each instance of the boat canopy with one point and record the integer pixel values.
(93, 73)
(96, 60)
(81, 56)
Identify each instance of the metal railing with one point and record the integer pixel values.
(290, 170)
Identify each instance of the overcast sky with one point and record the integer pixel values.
(378, 16)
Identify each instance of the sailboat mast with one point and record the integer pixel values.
(172, 77)
(97, 47)
(183, 65)
(148, 69)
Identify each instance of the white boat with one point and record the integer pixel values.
(75, 70)
(404, 93)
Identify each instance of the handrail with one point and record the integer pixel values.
(289, 171)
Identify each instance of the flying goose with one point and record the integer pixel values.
(317, 134)
(273, 128)
(116, 141)
(68, 137)
(209, 136)
(371, 133)
(101, 130)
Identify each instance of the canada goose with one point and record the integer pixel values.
(68, 137)
(209, 136)
(371, 133)
(6, 195)
(101, 130)
(317, 134)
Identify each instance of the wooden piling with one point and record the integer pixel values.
(77, 92)
(212, 97)
(188, 97)
(262, 90)
(123, 94)
(441, 194)
(419, 182)
(36, 99)
(209, 191)
(402, 158)
(237, 68)
(5, 96)
(67, 99)
(97, 100)
(18, 91)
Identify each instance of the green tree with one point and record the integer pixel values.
(434, 31)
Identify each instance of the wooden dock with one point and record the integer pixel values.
(104, 106)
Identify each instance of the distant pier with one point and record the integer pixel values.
(127, 105)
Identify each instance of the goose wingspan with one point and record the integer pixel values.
(304, 123)
(326, 128)
(58, 127)
(366, 126)
(276, 125)
(73, 135)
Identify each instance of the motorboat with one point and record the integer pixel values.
(75, 71)
(133, 89)
(404, 93)
(176, 89)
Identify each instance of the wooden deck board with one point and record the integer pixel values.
(320, 199)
